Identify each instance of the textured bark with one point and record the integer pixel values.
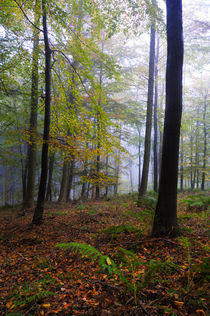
(155, 184)
(38, 213)
(165, 220)
(50, 174)
(205, 144)
(147, 142)
(181, 166)
(32, 148)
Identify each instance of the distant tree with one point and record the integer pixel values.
(205, 143)
(147, 141)
(165, 220)
(155, 145)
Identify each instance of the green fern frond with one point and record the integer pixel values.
(83, 249)
(130, 257)
(91, 252)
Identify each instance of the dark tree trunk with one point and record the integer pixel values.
(38, 214)
(147, 142)
(155, 120)
(32, 148)
(165, 220)
(50, 174)
(181, 165)
(205, 143)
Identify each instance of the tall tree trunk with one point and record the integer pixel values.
(205, 144)
(107, 167)
(98, 163)
(50, 174)
(191, 163)
(181, 165)
(165, 220)
(147, 142)
(155, 119)
(32, 148)
(139, 156)
(38, 213)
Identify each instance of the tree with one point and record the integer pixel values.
(155, 149)
(165, 220)
(31, 157)
(147, 142)
(205, 143)
(38, 213)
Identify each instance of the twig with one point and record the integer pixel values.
(25, 15)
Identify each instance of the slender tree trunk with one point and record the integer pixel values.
(50, 174)
(107, 167)
(117, 166)
(155, 119)
(131, 174)
(139, 156)
(205, 144)
(165, 220)
(38, 214)
(70, 180)
(181, 165)
(98, 162)
(64, 181)
(191, 162)
(84, 184)
(32, 148)
(147, 142)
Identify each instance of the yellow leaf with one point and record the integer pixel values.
(179, 304)
(46, 305)
(108, 261)
(10, 305)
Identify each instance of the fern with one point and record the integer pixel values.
(91, 252)
(129, 258)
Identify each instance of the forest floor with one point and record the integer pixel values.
(149, 276)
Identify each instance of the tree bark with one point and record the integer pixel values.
(155, 185)
(50, 174)
(181, 165)
(165, 220)
(32, 147)
(139, 155)
(38, 213)
(147, 142)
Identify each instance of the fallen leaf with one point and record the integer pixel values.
(179, 304)
(46, 305)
